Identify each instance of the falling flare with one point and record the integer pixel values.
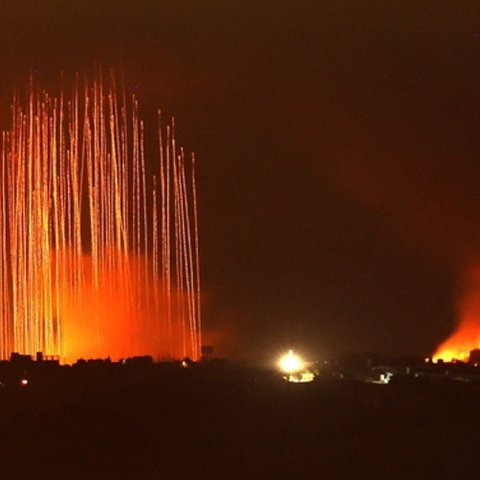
(97, 257)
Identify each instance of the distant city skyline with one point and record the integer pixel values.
(337, 146)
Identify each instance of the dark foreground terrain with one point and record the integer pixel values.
(226, 422)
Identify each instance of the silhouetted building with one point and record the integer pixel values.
(474, 356)
(143, 360)
(20, 360)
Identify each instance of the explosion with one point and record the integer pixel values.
(467, 335)
(291, 362)
(98, 258)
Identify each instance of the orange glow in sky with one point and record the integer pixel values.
(120, 317)
(467, 335)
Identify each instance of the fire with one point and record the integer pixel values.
(121, 315)
(467, 335)
(97, 257)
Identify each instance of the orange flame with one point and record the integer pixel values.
(467, 335)
(121, 316)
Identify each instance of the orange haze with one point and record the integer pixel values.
(123, 315)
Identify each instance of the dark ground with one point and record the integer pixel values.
(226, 423)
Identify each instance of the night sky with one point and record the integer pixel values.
(338, 153)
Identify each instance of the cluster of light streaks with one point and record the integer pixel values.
(99, 248)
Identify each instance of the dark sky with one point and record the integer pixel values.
(338, 146)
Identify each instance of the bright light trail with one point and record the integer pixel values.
(99, 247)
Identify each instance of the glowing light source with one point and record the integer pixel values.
(301, 377)
(451, 355)
(99, 255)
(466, 337)
(291, 362)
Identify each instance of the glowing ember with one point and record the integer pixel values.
(97, 257)
(467, 336)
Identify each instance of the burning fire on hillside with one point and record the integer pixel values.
(466, 337)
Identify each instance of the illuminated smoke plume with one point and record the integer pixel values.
(467, 335)
(98, 258)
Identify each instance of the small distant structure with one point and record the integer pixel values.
(207, 352)
(138, 361)
(47, 359)
(474, 356)
(20, 359)
(92, 362)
